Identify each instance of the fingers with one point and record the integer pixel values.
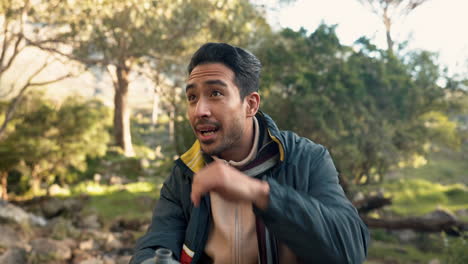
(205, 181)
(201, 185)
(195, 199)
(195, 196)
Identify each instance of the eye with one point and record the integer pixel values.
(191, 97)
(216, 93)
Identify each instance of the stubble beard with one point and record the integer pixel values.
(233, 135)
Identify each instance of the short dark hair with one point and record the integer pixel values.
(245, 65)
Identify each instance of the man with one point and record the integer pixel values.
(247, 192)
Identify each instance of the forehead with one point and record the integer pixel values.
(215, 71)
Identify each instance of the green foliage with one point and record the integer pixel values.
(129, 201)
(370, 108)
(114, 163)
(417, 197)
(455, 252)
(155, 37)
(402, 254)
(48, 140)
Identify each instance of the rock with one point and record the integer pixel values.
(440, 215)
(89, 244)
(15, 214)
(462, 213)
(60, 228)
(434, 261)
(98, 234)
(11, 238)
(93, 260)
(359, 196)
(90, 221)
(54, 207)
(71, 243)
(80, 256)
(44, 249)
(406, 235)
(109, 260)
(14, 255)
(120, 225)
(123, 260)
(112, 243)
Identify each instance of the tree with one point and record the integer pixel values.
(239, 23)
(122, 36)
(391, 10)
(15, 24)
(50, 140)
(370, 108)
(8, 161)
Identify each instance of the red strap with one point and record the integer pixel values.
(185, 258)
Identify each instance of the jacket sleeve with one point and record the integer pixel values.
(168, 223)
(317, 222)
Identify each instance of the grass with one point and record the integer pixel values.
(445, 167)
(448, 250)
(441, 183)
(418, 196)
(397, 253)
(440, 170)
(127, 201)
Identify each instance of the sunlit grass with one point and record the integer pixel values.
(93, 188)
(440, 168)
(126, 201)
(419, 196)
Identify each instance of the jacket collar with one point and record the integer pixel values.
(194, 157)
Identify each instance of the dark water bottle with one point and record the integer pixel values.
(163, 256)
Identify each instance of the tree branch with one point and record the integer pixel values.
(450, 226)
(39, 45)
(11, 109)
(5, 44)
(371, 203)
(16, 51)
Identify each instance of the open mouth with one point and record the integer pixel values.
(207, 132)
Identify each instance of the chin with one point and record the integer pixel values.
(210, 150)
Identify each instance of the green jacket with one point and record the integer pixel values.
(308, 210)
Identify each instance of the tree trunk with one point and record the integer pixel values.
(419, 224)
(172, 121)
(4, 183)
(35, 180)
(371, 203)
(122, 133)
(388, 26)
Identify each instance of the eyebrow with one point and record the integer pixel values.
(209, 82)
(189, 86)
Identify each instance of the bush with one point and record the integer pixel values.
(455, 252)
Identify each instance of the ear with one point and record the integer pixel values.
(253, 103)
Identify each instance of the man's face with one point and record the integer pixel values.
(216, 112)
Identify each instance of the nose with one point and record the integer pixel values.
(202, 109)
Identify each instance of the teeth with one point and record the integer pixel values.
(207, 133)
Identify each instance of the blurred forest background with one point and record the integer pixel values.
(92, 116)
